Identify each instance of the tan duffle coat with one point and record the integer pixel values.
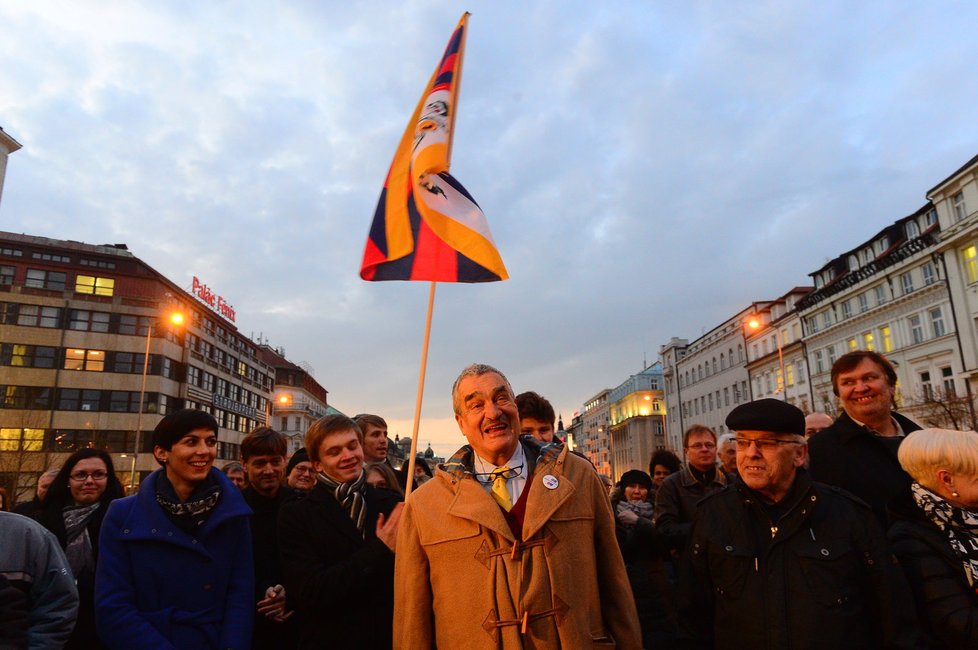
(462, 580)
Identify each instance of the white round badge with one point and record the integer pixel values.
(550, 481)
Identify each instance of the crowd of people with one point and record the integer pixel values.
(788, 532)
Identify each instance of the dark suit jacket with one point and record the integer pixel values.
(341, 584)
(850, 457)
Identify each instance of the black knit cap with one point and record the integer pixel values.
(301, 456)
(767, 415)
(635, 477)
(177, 425)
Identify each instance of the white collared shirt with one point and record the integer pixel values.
(515, 485)
(896, 425)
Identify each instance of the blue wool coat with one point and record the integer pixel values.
(157, 586)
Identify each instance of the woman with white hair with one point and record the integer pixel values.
(936, 540)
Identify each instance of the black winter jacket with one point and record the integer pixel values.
(946, 603)
(341, 584)
(825, 579)
(850, 457)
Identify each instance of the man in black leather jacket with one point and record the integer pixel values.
(776, 560)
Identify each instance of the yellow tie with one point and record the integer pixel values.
(499, 491)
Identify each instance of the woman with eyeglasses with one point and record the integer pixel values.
(73, 510)
(176, 565)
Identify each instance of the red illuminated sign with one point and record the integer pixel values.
(212, 300)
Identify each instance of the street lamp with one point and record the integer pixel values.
(176, 318)
(755, 324)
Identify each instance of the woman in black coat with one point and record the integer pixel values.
(936, 539)
(73, 510)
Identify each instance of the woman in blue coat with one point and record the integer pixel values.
(175, 568)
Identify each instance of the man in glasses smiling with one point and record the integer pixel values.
(776, 560)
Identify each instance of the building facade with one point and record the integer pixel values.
(86, 339)
(299, 399)
(776, 360)
(637, 420)
(596, 432)
(888, 294)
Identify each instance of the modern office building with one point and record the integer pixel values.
(76, 324)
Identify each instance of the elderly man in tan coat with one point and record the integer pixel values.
(512, 544)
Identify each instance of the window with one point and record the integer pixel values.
(7, 274)
(819, 362)
(958, 206)
(789, 372)
(84, 359)
(863, 302)
(193, 375)
(812, 325)
(931, 217)
(937, 321)
(11, 252)
(826, 318)
(89, 321)
(45, 279)
(852, 344)
(25, 397)
(726, 397)
(912, 229)
(37, 316)
(73, 399)
(846, 309)
(916, 329)
(880, 291)
(129, 324)
(21, 439)
(930, 276)
(48, 257)
(925, 386)
(93, 285)
(767, 382)
(128, 362)
(868, 341)
(830, 352)
(886, 338)
(124, 401)
(947, 379)
(907, 281)
(970, 257)
(27, 356)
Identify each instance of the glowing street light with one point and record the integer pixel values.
(175, 318)
(754, 323)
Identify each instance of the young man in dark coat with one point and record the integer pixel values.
(859, 451)
(263, 455)
(776, 560)
(337, 546)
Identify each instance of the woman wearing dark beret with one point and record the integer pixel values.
(175, 568)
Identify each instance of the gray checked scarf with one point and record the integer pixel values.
(79, 550)
(640, 508)
(350, 497)
(960, 526)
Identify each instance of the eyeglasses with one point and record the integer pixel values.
(508, 474)
(81, 477)
(766, 444)
(303, 470)
(702, 445)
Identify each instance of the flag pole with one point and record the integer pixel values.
(409, 480)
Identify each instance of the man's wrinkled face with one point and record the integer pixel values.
(302, 476)
(767, 461)
(375, 444)
(701, 450)
(865, 393)
(815, 422)
(542, 431)
(728, 456)
(488, 416)
(43, 484)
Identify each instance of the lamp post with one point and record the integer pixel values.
(755, 324)
(175, 318)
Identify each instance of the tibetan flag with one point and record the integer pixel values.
(427, 226)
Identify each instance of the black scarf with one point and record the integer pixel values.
(191, 514)
(349, 496)
(960, 526)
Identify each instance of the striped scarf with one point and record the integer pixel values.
(350, 497)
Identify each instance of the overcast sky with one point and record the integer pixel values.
(647, 168)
